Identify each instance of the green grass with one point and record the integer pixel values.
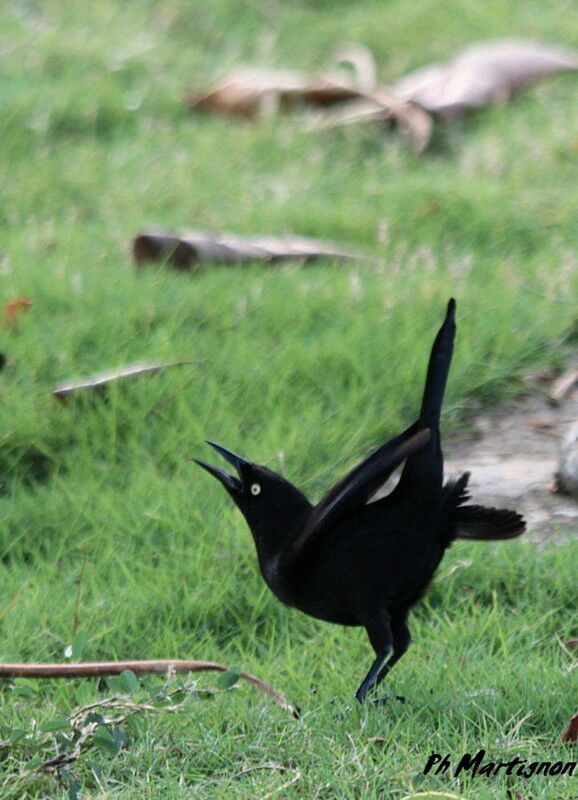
(300, 368)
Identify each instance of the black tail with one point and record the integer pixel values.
(423, 472)
(478, 522)
(437, 370)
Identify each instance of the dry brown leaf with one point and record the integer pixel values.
(148, 667)
(13, 310)
(482, 74)
(379, 106)
(249, 93)
(191, 250)
(252, 93)
(571, 644)
(342, 99)
(101, 380)
(571, 732)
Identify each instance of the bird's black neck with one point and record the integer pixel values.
(275, 531)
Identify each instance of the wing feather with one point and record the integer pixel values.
(355, 488)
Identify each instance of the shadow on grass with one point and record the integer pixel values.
(22, 463)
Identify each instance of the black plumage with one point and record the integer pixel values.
(353, 562)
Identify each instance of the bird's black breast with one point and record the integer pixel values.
(370, 559)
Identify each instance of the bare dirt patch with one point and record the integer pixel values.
(513, 457)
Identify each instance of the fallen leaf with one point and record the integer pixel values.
(379, 106)
(341, 99)
(101, 380)
(571, 732)
(571, 644)
(13, 309)
(250, 92)
(191, 250)
(482, 74)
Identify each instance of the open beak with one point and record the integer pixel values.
(229, 481)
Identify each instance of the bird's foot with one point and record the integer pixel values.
(381, 701)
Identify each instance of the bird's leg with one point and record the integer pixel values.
(390, 639)
(401, 640)
(378, 629)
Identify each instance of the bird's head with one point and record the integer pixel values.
(274, 509)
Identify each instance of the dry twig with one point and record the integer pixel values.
(148, 667)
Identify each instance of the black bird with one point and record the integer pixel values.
(354, 562)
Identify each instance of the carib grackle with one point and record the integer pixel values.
(355, 562)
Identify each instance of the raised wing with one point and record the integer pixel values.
(355, 488)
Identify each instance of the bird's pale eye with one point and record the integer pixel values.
(255, 489)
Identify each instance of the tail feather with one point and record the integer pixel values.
(455, 492)
(438, 369)
(487, 524)
(423, 472)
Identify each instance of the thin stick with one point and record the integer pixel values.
(159, 667)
